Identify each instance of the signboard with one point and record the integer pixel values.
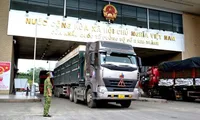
(72, 29)
(5, 75)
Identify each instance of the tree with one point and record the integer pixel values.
(25, 75)
(29, 75)
(37, 72)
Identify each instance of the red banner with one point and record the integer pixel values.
(4, 75)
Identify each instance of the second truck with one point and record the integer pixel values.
(99, 72)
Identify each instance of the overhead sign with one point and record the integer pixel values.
(5, 75)
(72, 29)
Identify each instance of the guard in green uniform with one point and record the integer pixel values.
(47, 95)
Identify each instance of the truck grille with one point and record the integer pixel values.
(114, 83)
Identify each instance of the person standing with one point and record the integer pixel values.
(47, 94)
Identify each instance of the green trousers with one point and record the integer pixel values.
(47, 105)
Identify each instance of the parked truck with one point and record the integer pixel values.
(180, 80)
(42, 77)
(149, 80)
(99, 72)
(175, 80)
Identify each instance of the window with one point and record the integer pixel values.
(72, 8)
(38, 2)
(93, 9)
(19, 5)
(153, 19)
(141, 13)
(177, 19)
(116, 57)
(165, 21)
(154, 24)
(164, 16)
(88, 4)
(142, 22)
(87, 9)
(56, 7)
(153, 15)
(100, 6)
(177, 28)
(177, 23)
(129, 20)
(142, 17)
(118, 20)
(128, 11)
(129, 15)
(166, 26)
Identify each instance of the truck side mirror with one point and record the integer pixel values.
(92, 58)
(139, 62)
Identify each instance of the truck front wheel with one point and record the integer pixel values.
(75, 97)
(125, 104)
(90, 101)
(71, 94)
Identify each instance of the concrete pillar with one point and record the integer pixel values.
(6, 42)
(191, 24)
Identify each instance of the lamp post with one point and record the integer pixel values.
(35, 46)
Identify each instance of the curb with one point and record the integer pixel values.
(19, 100)
(143, 99)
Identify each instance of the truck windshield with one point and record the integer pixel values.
(120, 58)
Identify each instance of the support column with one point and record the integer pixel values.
(6, 42)
(191, 24)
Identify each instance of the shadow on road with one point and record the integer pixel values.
(101, 105)
(107, 106)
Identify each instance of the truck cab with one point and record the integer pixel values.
(112, 72)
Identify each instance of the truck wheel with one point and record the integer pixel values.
(71, 95)
(90, 101)
(55, 93)
(58, 93)
(126, 104)
(188, 99)
(75, 97)
(41, 92)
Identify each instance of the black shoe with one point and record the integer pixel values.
(46, 115)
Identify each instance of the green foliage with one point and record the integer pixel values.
(29, 75)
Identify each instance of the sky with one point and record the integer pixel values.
(25, 64)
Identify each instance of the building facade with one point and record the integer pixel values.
(144, 26)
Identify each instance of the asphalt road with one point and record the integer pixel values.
(63, 109)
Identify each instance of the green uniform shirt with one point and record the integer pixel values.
(47, 84)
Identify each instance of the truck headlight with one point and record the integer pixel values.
(102, 89)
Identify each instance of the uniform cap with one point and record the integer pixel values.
(48, 73)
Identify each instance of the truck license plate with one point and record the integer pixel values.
(121, 96)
